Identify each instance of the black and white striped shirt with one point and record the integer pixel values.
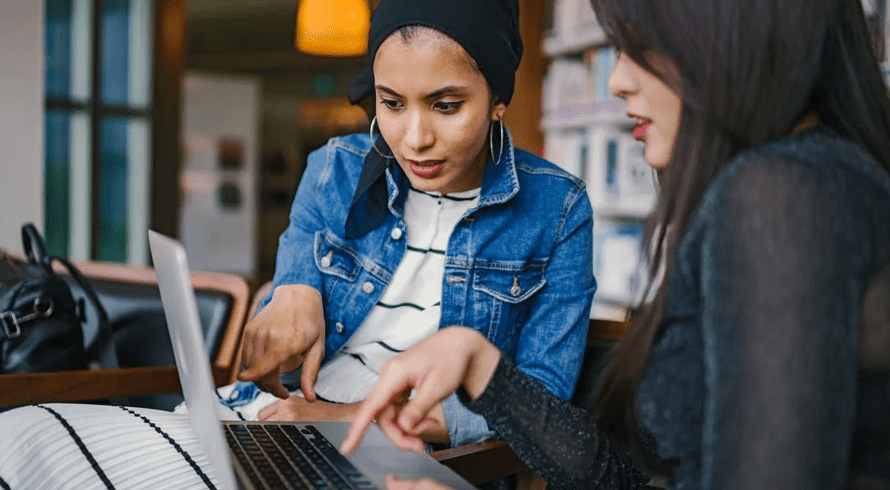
(409, 309)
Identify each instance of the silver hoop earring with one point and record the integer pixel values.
(371, 134)
(491, 141)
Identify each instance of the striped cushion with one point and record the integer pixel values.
(76, 446)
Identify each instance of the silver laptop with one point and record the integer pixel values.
(253, 455)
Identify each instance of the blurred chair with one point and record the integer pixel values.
(258, 298)
(601, 338)
(489, 461)
(147, 373)
(606, 330)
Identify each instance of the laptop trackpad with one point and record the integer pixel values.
(377, 457)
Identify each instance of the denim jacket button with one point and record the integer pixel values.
(339, 326)
(326, 260)
(368, 287)
(396, 233)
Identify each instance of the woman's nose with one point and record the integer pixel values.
(621, 82)
(420, 134)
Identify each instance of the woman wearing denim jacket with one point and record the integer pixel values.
(517, 266)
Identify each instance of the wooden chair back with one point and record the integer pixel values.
(258, 297)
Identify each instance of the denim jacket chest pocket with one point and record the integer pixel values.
(342, 272)
(334, 258)
(502, 296)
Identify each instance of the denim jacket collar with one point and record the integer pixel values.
(500, 183)
(382, 187)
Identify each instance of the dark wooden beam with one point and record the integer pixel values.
(524, 114)
(166, 145)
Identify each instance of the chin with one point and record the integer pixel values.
(425, 185)
(656, 160)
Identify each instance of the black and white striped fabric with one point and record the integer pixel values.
(409, 309)
(83, 447)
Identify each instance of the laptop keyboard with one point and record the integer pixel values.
(285, 456)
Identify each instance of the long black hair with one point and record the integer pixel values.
(747, 71)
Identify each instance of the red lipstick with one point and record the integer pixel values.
(640, 130)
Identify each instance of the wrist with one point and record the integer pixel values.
(291, 293)
(350, 410)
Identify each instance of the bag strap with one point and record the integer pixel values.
(34, 246)
(35, 249)
(103, 345)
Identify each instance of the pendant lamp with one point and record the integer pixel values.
(333, 27)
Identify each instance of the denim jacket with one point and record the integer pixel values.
(517, 268)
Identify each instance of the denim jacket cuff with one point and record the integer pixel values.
(464, 426)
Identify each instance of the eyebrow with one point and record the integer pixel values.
(449, 90)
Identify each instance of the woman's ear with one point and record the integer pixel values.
(497, 111)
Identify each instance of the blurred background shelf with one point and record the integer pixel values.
(573, 40)
(586, 113)
(587, 132)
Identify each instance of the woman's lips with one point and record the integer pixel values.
(426, 169)
(640, 130)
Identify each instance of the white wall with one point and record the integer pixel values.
(217, 108)
(21, 118)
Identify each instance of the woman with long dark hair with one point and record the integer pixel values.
(760, 355)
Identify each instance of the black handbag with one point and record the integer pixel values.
(41, 323)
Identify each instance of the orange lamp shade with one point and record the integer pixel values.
(333, 27)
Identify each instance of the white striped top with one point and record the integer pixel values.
(409, 309)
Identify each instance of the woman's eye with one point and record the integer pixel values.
(447, 107)
(390, 103)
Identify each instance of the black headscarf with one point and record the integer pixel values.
(487, 29)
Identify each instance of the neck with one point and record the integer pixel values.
(808, 121)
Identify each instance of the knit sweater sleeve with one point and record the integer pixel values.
(557, 440)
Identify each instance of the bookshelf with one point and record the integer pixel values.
(587, 133)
